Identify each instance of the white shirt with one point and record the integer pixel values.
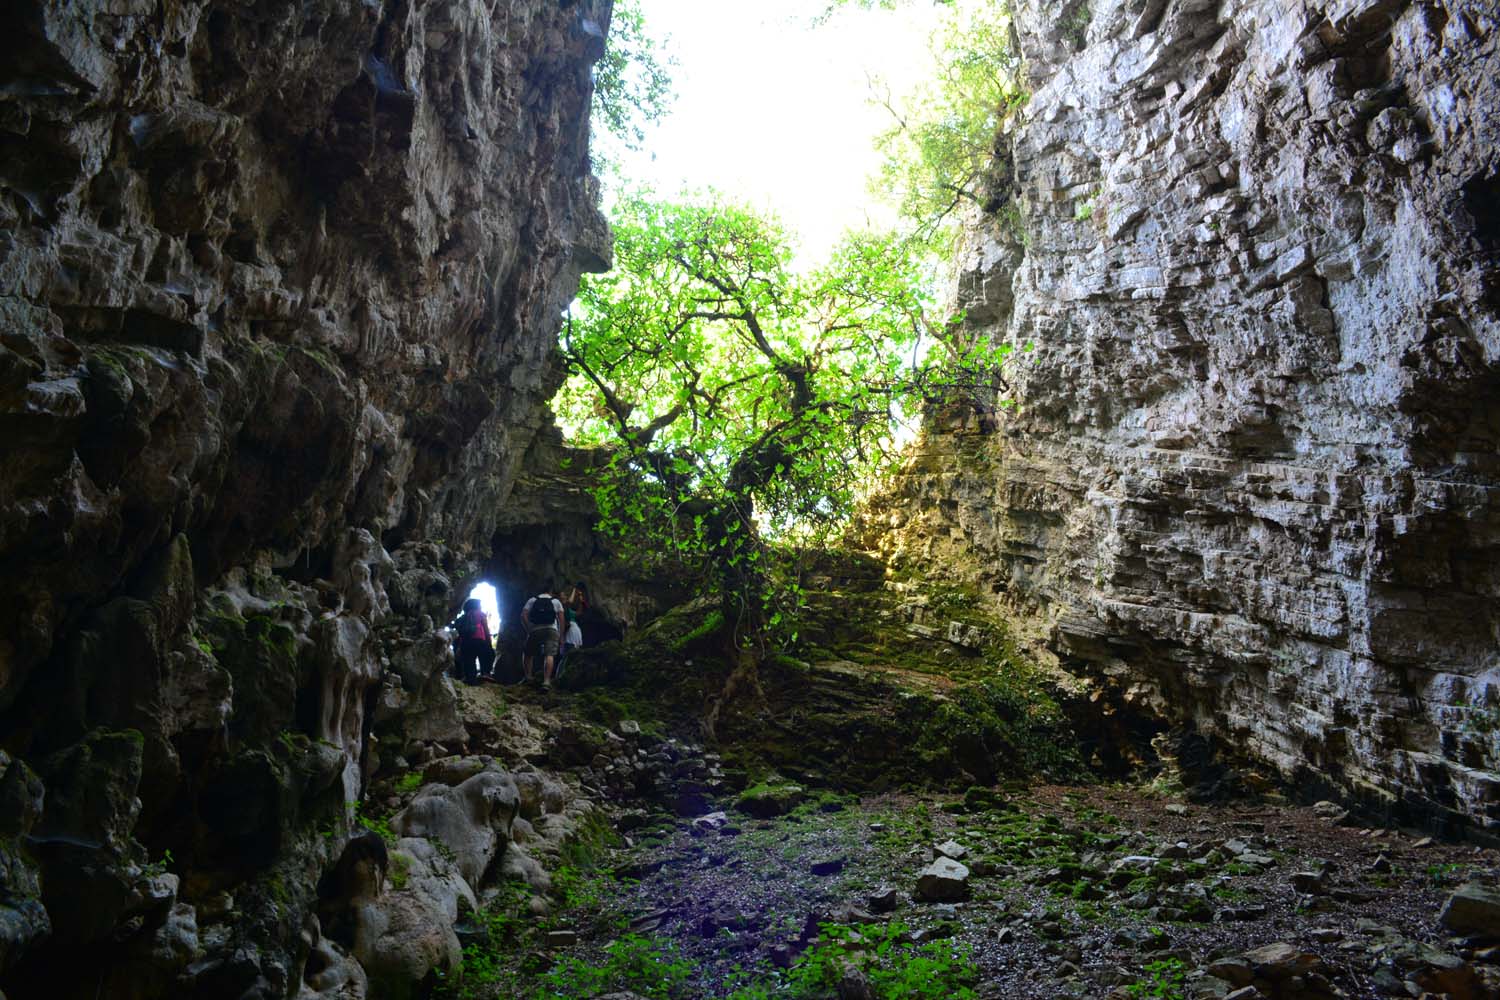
(557, 609)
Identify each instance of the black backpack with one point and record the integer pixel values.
(542, 611)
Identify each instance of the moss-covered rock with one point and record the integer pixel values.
(771, 798)
(261, 654)
(887, 686)
(23, 919)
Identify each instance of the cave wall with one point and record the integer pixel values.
(1252, 481)
(279, 292)
(546, 535)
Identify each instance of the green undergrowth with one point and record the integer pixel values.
(506, 931)
(872, 696)
(648, 966)
(656, 968)
(1163, 979)
(894, 965)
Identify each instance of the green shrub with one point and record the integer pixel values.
(896, 967)
(648, 966)
(503, 927)
(1164, 979)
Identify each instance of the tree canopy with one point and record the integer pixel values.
(632, 82)
(749, 400)
(941, 152)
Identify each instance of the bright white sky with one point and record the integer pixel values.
(776, 112)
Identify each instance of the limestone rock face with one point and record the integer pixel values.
(279, 293)
(472, 819)
(267, 274)
(1254, 471)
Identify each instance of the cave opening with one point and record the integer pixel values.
(489, 602)
(1481, 199)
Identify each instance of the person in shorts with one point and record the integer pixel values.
(541, 617)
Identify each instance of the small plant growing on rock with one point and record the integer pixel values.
(894, 966)
(400, 871)
(648, 966)
(1164, 980)
(159, 866)
(379, 825)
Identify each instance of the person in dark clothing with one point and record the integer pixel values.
(475, 656)
(576, 599)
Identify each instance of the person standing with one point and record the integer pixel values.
(541, 616)
(475, 655)
(576, 599)
(571, 640)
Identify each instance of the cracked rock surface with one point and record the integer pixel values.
(279, 293)
(1252, 481)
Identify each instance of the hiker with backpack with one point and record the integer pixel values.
(540, 617)
(474, 656)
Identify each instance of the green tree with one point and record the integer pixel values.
(632, 82)
(943, 151)
(749, 401)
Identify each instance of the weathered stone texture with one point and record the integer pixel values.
(269, 270)
(1254, 473)
(279, 292)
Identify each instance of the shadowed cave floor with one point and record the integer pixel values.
(1074, 891)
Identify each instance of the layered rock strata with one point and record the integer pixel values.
(1253, 473)
(279, 288)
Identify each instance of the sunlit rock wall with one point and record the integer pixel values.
(279, 288)
(1254, 476)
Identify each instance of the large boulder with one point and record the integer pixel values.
(399, 938)
(471, 819)
(328, 973)
(418, 866)
(539, 793)
(429, 710)
(1472, 909)
(771, 798)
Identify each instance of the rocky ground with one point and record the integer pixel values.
(706, 888)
